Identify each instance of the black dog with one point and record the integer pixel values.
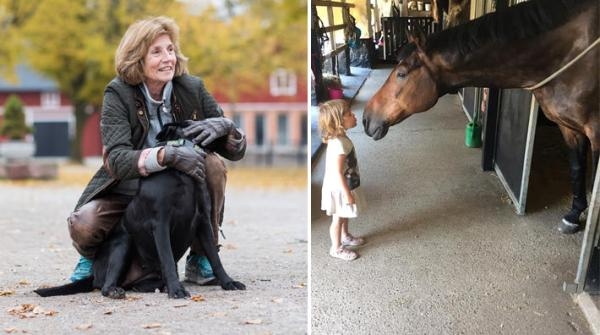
(157, 228)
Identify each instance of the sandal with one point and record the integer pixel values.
(342, 253)
(352, 241)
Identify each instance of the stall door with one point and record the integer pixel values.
(517, 118)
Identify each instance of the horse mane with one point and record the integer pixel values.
(525, 20)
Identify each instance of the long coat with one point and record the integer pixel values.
(124, 127)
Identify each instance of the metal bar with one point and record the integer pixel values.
(336, 51)
(590, 240)
(512, 196)
(533, 116)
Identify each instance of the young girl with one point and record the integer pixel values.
(339, 196)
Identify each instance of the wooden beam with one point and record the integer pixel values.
(333, 28)
(331, 3)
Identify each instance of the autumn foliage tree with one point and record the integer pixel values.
(73, 42)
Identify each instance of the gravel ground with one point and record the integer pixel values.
(266, 249)
(445, 252)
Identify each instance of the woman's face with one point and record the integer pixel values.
(159, 62)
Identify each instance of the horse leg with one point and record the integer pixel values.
(578, 146)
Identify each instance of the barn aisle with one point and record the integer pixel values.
(446, 253)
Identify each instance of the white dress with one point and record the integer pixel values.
(332, 192)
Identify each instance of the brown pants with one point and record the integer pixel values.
(91, 223)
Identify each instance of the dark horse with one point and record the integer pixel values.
(518, 47)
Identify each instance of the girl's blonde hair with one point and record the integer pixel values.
(136, 42)
(331, 119)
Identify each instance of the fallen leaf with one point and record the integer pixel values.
(181, 305)
(133, 297)
(40, 310)
(197, 298)
(30, 311)
(277, 300)
(288, 251)
(84, 326)
(23, 282)
(6, 292)
(301, 285)
(152, 326)
(108, 312)
(21, 311)
(217, 314)
(50, 313)
(253, 322)
(10, 330)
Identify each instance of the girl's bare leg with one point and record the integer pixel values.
(344, 231)
(335, 231)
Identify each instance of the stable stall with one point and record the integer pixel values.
(511, 122)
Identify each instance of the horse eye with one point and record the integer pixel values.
(400, 74)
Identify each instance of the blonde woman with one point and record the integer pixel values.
(339, 196)
(152, 88)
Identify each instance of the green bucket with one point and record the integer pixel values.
(473, 135)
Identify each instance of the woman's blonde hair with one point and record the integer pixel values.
(136, 42)
(331, 121)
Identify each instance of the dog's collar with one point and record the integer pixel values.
(181, 143)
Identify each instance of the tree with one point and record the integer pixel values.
(13, 124)
(75, 47)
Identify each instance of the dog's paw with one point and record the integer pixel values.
(114, 293)
(233, 285)
(179, 293)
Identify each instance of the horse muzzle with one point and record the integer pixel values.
(374, 127)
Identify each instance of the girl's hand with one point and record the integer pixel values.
(350, 198)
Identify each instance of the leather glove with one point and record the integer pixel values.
(185, 159)
(204, 132)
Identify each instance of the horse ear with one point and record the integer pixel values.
(416, 36)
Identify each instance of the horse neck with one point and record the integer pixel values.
(515, 64)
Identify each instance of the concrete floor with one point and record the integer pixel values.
(446, 253)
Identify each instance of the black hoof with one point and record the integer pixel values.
(570, 222)
(114, 293)
(233, 285)
(567, 227)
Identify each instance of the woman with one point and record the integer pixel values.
(152, 88)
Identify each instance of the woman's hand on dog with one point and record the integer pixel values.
(185, 159)
(204, 132)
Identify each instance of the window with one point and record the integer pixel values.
(282, 129)
(282, 82)
(50, 99)
(259, 125)
(237, 119)
(304, 130)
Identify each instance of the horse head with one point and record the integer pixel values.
(410, 88)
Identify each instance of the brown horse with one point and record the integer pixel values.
(518, 47)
